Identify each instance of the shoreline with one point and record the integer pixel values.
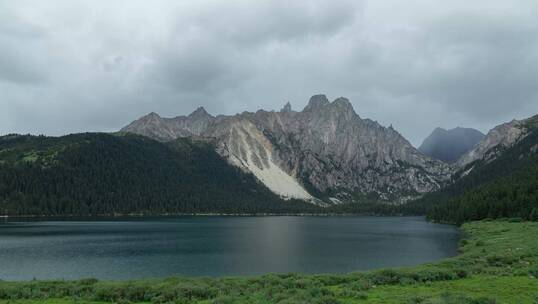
(485, 268)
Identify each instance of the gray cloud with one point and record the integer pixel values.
(95, 66)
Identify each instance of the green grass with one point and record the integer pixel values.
(519, 289)
(498, 263)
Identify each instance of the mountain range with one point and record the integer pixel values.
(325, 153)
(324, 158)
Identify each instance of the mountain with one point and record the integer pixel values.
(324, 152)
(498, 139)
(104, 174)
(450, 145)
(501, 183)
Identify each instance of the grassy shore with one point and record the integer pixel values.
(498, 263)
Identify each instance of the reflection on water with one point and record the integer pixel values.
(217, 246)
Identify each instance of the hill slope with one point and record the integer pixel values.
(94, 174)
(506, 186)
(499, 139)
(450, 145)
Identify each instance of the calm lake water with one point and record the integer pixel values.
(217, 246)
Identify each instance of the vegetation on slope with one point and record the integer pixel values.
(103, 174)
(503, 188)
(498, 264)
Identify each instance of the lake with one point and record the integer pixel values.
(216, 246)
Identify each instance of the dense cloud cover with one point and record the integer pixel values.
(70, 66)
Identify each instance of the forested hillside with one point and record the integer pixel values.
(103, 174)
(504, 187)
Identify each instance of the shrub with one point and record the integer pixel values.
(327, 300)
(89, 281)
(407, 281)
(361, 285)
(500, 260)
(434, 275)
(462, 273)
(224, 300)
(387, 276)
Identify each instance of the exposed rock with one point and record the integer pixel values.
(166, 129)
(286, 108)
(325, 151)
(498, 139)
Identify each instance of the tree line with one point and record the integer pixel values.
(103, 174)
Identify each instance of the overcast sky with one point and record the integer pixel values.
(71, 66)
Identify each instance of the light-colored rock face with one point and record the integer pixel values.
(499, 138)
(326, 149)
(246, 147)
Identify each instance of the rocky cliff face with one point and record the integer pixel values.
(326, 151)
(450, 145)
(498, 139)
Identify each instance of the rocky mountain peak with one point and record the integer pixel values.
(343, 105)
(200, 112)
(316, 102)
(286, 108)
(152, 115)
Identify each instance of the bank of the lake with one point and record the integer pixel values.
(498, 263)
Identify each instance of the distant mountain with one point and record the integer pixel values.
(324, 152)
(499, 139)
(450, 145)
(103, 174)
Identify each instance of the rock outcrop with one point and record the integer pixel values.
(497, 140)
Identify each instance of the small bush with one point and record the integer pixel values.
(327, 300)
(407, 281)
(387, 276)
(501, 260)
(224, 300)
(462, 273)
(89, 281)
(483, 301)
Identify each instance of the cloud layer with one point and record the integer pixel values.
(70, 66)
